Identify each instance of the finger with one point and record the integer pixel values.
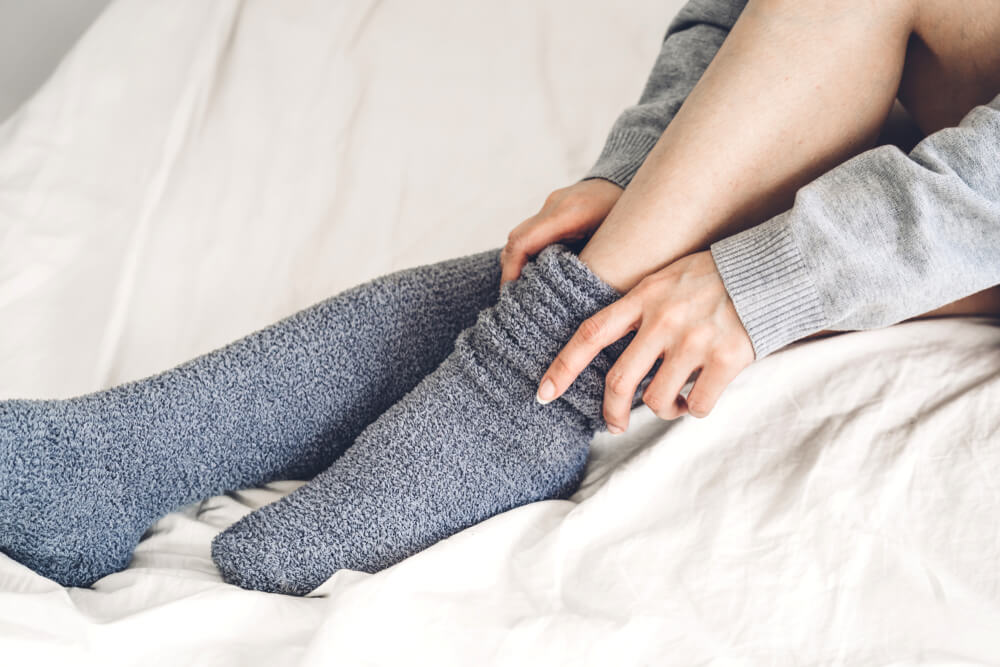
(714, 378)
(512, 268)
(624, 377)
(527, 240)
(531, 237)
(515, 253)
(662, 394)
(593, 335)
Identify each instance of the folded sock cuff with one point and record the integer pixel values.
(513, 343)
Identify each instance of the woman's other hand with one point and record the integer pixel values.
(569, 214)
(682, 314)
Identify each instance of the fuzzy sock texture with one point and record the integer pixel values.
(468, 442)
(82, 479)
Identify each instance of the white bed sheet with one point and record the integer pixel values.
(194, 171)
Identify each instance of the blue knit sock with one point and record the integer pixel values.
(82, 479)
(470, 441)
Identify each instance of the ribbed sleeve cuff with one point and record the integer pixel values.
(624, 152)
(770, 285)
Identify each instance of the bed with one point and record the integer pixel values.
(193, 171)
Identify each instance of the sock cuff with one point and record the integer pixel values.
(513, 343)
(586, 290)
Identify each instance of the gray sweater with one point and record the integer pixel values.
(880, 238)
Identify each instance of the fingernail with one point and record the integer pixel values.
(546, 392)
(615, 430)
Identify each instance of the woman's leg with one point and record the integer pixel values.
(798, 87)
(82, 479)
(470, 441)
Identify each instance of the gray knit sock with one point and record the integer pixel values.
(82, 479)
(468, 442)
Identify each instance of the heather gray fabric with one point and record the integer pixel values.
(470, 441)
(82, 479)
(692, 40)
(883, 237)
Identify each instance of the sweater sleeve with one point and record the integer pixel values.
(881, 238)
(692, 40)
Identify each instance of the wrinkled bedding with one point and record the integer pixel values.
(194, 171)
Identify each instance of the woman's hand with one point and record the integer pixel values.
(682, 314)
(569, 214)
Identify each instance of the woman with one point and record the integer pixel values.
(425, 401)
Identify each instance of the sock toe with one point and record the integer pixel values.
(262, 552)
(245, 559)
